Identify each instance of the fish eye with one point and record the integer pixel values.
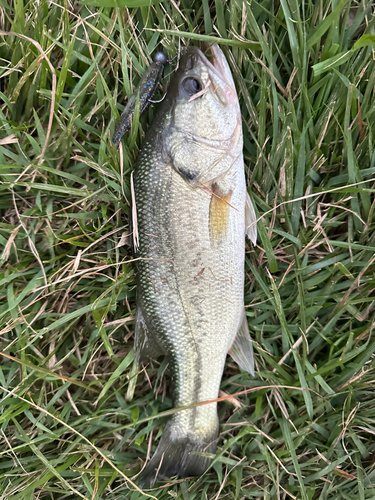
(191, 85)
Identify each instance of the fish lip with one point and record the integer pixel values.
(218, 65)
(219, 62)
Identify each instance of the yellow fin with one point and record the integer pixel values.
(219, 212)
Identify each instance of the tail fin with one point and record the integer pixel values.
(173, 455)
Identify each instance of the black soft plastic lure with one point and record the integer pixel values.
(146, 89)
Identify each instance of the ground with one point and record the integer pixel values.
(77, 420)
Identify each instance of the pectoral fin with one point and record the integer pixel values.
(242, 348)
(250, 220)
(219, 212)
(145, 344)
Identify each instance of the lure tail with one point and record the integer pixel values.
(176, 455)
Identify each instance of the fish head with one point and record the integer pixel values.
(204, 136)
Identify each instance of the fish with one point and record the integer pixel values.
(146, 89)
(191, 212)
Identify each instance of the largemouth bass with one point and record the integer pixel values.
(192, 212)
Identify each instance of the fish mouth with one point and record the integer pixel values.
(215, 61)
(215, 56)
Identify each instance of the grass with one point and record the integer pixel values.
(304, 427)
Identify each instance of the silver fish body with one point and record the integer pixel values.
(192, 210)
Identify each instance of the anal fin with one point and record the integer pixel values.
(145, 344)
(242, 348)
(250, 220)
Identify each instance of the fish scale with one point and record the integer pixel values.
(190, 198)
